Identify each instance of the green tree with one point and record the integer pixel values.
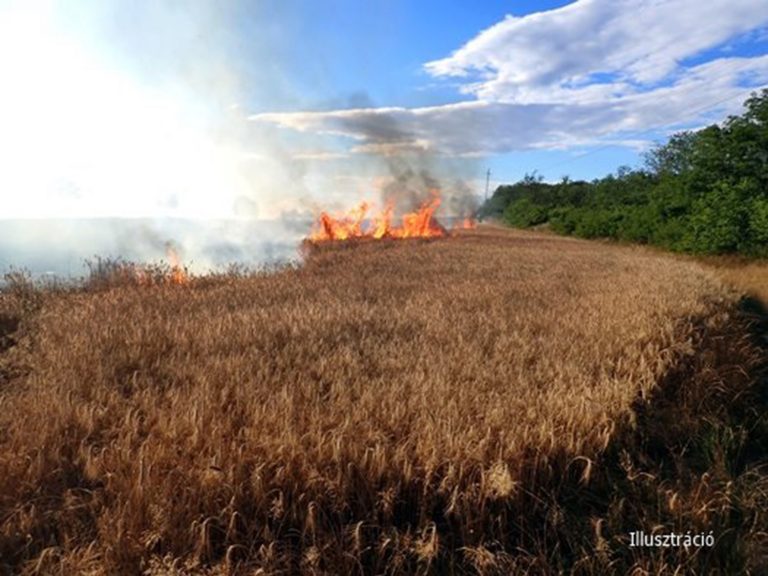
(675, 157)
(702, 191)
(718, 220)
(524, 213)
(758, 225)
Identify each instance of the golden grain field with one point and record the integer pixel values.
(750, 277)
(388, 407)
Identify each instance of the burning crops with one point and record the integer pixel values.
(364, 222)
(110, 273)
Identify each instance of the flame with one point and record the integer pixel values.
(178, 274)
(465, 224)
(418, 224)
(383, 223)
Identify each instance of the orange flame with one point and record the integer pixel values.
(465, 224)
(178, 274)
(417, 224)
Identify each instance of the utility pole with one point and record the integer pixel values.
(480, 212)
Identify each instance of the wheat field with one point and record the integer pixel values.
(453, 405)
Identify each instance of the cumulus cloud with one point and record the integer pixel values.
(595, 71)
(634, 42)
(488, 127)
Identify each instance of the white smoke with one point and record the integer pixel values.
(116, 110)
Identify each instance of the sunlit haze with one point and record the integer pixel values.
(160, 110)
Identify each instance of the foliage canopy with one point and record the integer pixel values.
(703, 191)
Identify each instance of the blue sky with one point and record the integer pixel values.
(257, 109)
(342, 51)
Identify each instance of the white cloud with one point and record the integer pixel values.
(635, 42)
(593, 72)
(482, 127)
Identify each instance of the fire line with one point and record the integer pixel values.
(357, 223)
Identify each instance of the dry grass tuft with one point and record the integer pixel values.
(482, 403)
(749, 276)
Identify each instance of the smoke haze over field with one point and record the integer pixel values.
(61, 247)
(243, 111)
(149, 123)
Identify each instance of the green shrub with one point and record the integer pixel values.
(717, 221)
(563, 219)
(637, 224)
(758, 223)
(597, 223)
(524, 213)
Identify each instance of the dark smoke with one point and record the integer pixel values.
(414, 180)
(416, 169)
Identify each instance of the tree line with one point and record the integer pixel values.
(703, 191)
